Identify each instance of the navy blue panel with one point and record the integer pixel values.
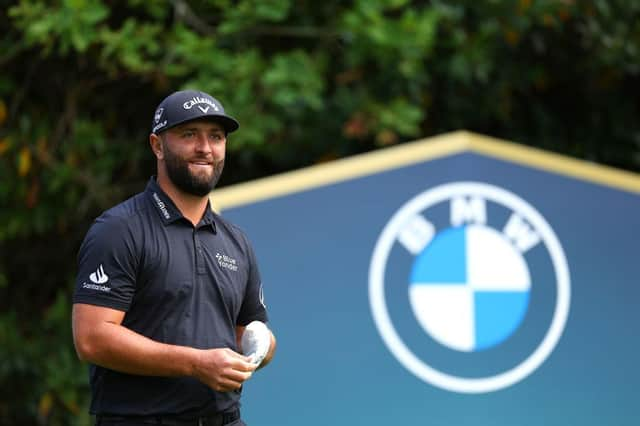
(333, 367)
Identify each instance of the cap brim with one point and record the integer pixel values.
(229, 123)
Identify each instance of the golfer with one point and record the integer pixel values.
(166, 288)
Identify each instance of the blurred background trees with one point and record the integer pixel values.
(309, 82)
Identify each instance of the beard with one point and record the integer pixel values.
(190, 183)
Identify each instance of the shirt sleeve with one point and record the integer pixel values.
(253, 306)
(106, 265)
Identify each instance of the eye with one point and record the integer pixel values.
(188, 134)
(217, 136)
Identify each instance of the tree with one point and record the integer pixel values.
(308, 81)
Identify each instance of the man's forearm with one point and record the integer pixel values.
(101, 339)
(118, 348)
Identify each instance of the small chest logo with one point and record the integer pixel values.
(227, 262)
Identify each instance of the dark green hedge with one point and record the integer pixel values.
(309, 81)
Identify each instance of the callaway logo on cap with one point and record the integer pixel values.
(186, 105)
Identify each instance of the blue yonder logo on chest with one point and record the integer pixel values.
(227, 262)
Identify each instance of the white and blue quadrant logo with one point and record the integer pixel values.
(469, 287)
(469, 284)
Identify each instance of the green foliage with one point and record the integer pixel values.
(131, 47)
(42, 381)
(308, 81)
(59, 29)
(400, 44)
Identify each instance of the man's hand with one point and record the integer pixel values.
(223, 370)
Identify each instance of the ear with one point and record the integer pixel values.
(156, 146)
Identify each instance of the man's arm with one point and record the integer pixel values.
(270, 352)
(100, 338)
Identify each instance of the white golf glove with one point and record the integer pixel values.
(255, 341)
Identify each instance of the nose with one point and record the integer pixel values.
(202, 143)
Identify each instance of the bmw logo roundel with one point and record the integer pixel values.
(469, 287)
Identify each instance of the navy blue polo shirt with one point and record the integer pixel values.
(178, 284)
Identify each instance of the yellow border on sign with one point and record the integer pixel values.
(416, 152)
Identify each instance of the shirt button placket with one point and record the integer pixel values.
(199, 253)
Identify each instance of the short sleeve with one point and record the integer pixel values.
(253, 306)
(107, 264)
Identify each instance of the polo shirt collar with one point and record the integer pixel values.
(168, 211)
(164, 205)
(209, 218)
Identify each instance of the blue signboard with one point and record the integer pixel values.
(454, 281)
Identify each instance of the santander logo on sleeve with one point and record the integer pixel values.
(97, 278)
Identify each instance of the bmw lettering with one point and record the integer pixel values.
(469, 287)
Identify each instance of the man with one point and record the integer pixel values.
(166, 288)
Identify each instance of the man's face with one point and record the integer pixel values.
(194, 155)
